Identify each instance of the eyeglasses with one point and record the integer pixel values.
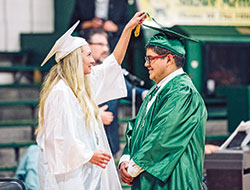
(150, 58)
(100, 44)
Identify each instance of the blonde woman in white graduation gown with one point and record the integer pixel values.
(75, 154)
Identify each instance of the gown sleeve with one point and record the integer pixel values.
(108, 81)
(64, 151)
(171, 130)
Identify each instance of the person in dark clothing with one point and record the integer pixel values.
(110, 15)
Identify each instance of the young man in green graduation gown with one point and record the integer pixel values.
(165, 142)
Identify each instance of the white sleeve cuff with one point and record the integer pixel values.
(124, 158)
(133, 169)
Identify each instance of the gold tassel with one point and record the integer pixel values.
(137, 30)
(138, 27)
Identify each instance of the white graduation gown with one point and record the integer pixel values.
(67, 144)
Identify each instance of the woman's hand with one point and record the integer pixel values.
(122, 45)
(100, 158)
(138, 18)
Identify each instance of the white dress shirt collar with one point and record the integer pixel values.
(164, 81)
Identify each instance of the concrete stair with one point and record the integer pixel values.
(17, 123)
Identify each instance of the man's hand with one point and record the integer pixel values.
(94, 23)
(209, 148)
(97, 22)
(106, 116)
(100, 158)
(110, 26)
(126, 178)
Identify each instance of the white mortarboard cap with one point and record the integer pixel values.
(65, 45)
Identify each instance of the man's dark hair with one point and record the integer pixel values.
(87, 34)
(179, 60)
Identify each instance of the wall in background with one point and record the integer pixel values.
(24, 16)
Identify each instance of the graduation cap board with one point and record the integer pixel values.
(171, 34)
(168, 39)
(65, 45)
(239, 139)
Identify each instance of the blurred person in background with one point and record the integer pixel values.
(27, 168)
(110, 15)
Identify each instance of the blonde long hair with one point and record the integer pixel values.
(69, 69)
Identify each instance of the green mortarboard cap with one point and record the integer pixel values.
(169, 39)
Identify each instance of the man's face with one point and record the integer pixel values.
(99, 47)
(157, 67)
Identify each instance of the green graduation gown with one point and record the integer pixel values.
(168, 142)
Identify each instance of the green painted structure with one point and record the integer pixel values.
(238, 104)
(196, 51)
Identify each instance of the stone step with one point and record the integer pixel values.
(16, 92)
(16, 134)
